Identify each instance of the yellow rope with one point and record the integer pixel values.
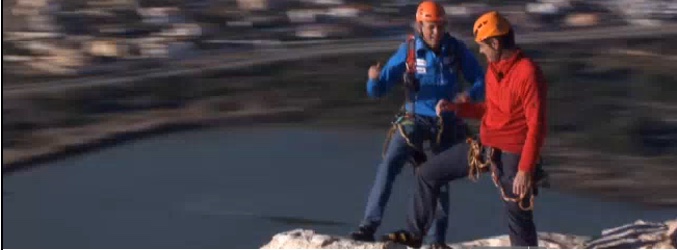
(517, 200)
(389, 137)
(391, 131)
(440, 130)
(478, 166)
(399, 128)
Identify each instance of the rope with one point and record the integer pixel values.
(404, 135)
(440, 129)
(519, 200)
(389, 137)
(397, 127)
(478, 166)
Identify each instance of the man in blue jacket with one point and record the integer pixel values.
(428, 65)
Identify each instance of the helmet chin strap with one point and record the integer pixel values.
(499, 53)
(420, 28)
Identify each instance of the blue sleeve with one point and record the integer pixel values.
(473, 73)
(391, 73)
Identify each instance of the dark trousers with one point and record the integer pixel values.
(452, 164)
(393, 162)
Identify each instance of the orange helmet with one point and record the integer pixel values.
(430, 11)
(490, 24)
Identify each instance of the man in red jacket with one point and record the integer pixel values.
(512, 131)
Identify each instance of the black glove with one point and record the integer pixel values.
(411, 83)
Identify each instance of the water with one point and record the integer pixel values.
(235, 188)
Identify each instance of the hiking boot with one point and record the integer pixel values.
(363, 234)
(404, 238)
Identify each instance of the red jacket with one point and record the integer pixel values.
(513, 114)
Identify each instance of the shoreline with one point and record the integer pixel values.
(99, 137)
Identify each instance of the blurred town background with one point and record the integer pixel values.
(79, 74)
(90, 36)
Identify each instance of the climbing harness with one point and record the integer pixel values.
(405, 122)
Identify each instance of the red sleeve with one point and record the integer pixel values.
(471, 110)
(533, 101)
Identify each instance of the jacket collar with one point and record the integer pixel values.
(501, 68)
